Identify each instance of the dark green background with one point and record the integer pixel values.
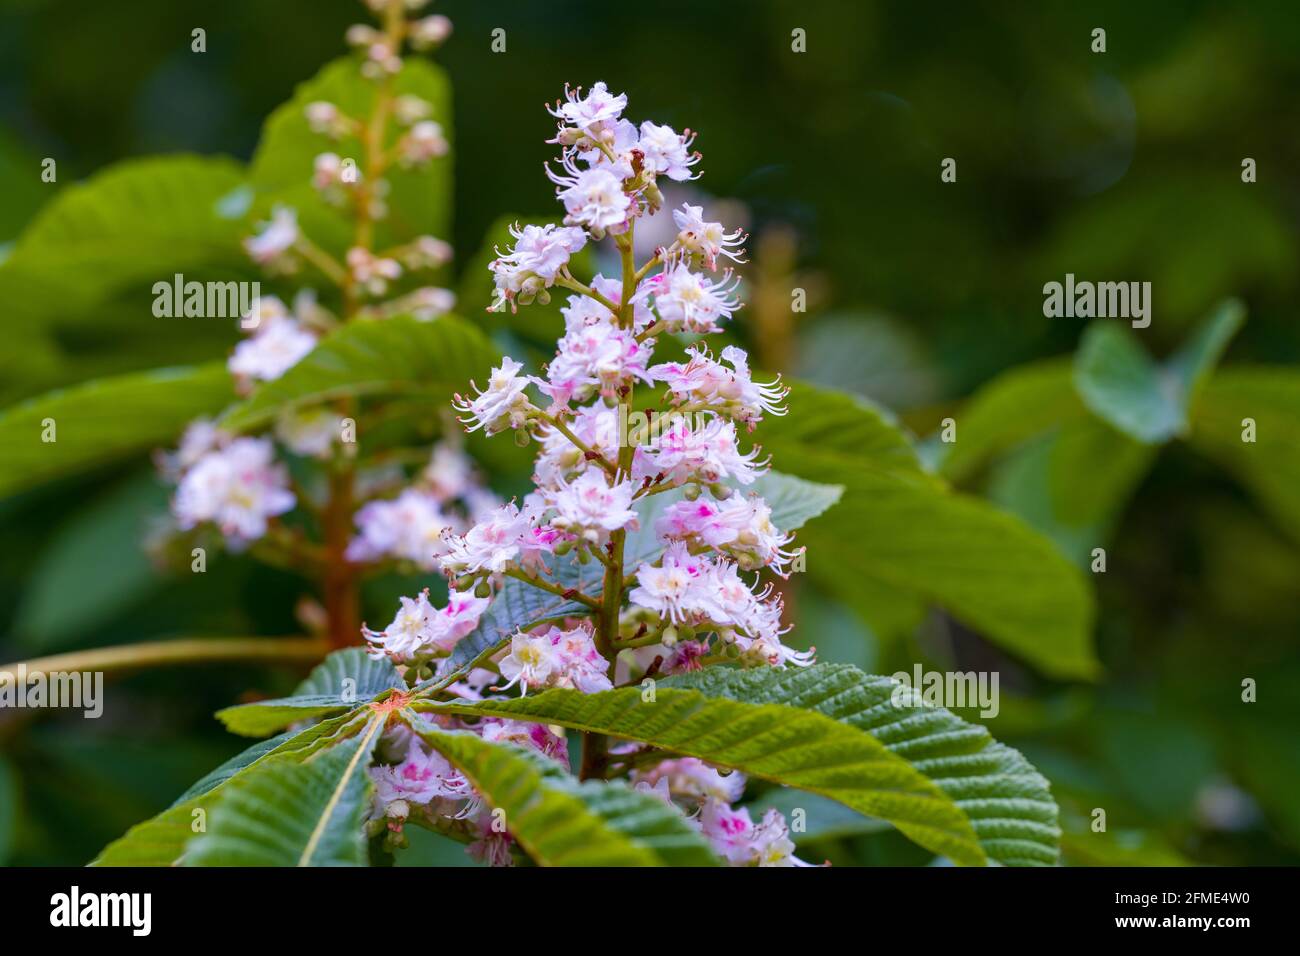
(1124, 165)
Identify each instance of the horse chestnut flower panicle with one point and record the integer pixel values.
(678, 549)
(688, 604)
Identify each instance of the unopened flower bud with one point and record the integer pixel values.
(359, 34)
(429, 32)
(410, 109)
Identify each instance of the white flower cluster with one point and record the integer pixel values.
(416, 524)
(233, 483)
(690, 604)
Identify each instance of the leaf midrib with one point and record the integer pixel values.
(318, 831)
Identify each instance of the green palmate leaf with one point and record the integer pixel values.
(1093, 471)
(1269, 397)
(342, 681)
(72, 561)
(769, 741)
(1194, 363)
(1013, 408)
(1072, 483)
(419, 200)
(561, 822)
(840, 420)
(265, 716)
(307, 813)
(102, 421)
(1118, 382)
(900, 528)
(234, 765)
(351, 672)
(986, 567)
(28, 193)
(1007, 801)
(130, 226)
(161, 841)
(868, 353)
(1121, 384)
(398, 356)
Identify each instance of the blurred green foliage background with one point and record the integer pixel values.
(1120, 166)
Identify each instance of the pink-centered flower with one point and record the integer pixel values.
(411, 527)
(596, 357)
(491, 544)
(555, 658)
(590, 507)
(706, 239)
(704, 453)
(275, 237)
(538, 737)
(592, 197)
(237, 487)
(692, 779)
(705, 384)
(742, 843)
(593, 113)
(538, 255)
(596, 426)
(673, 588)
(503, 404)
(421, 630)
(741, 526)
(423, 776)
(667, 152)
(278, 343)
